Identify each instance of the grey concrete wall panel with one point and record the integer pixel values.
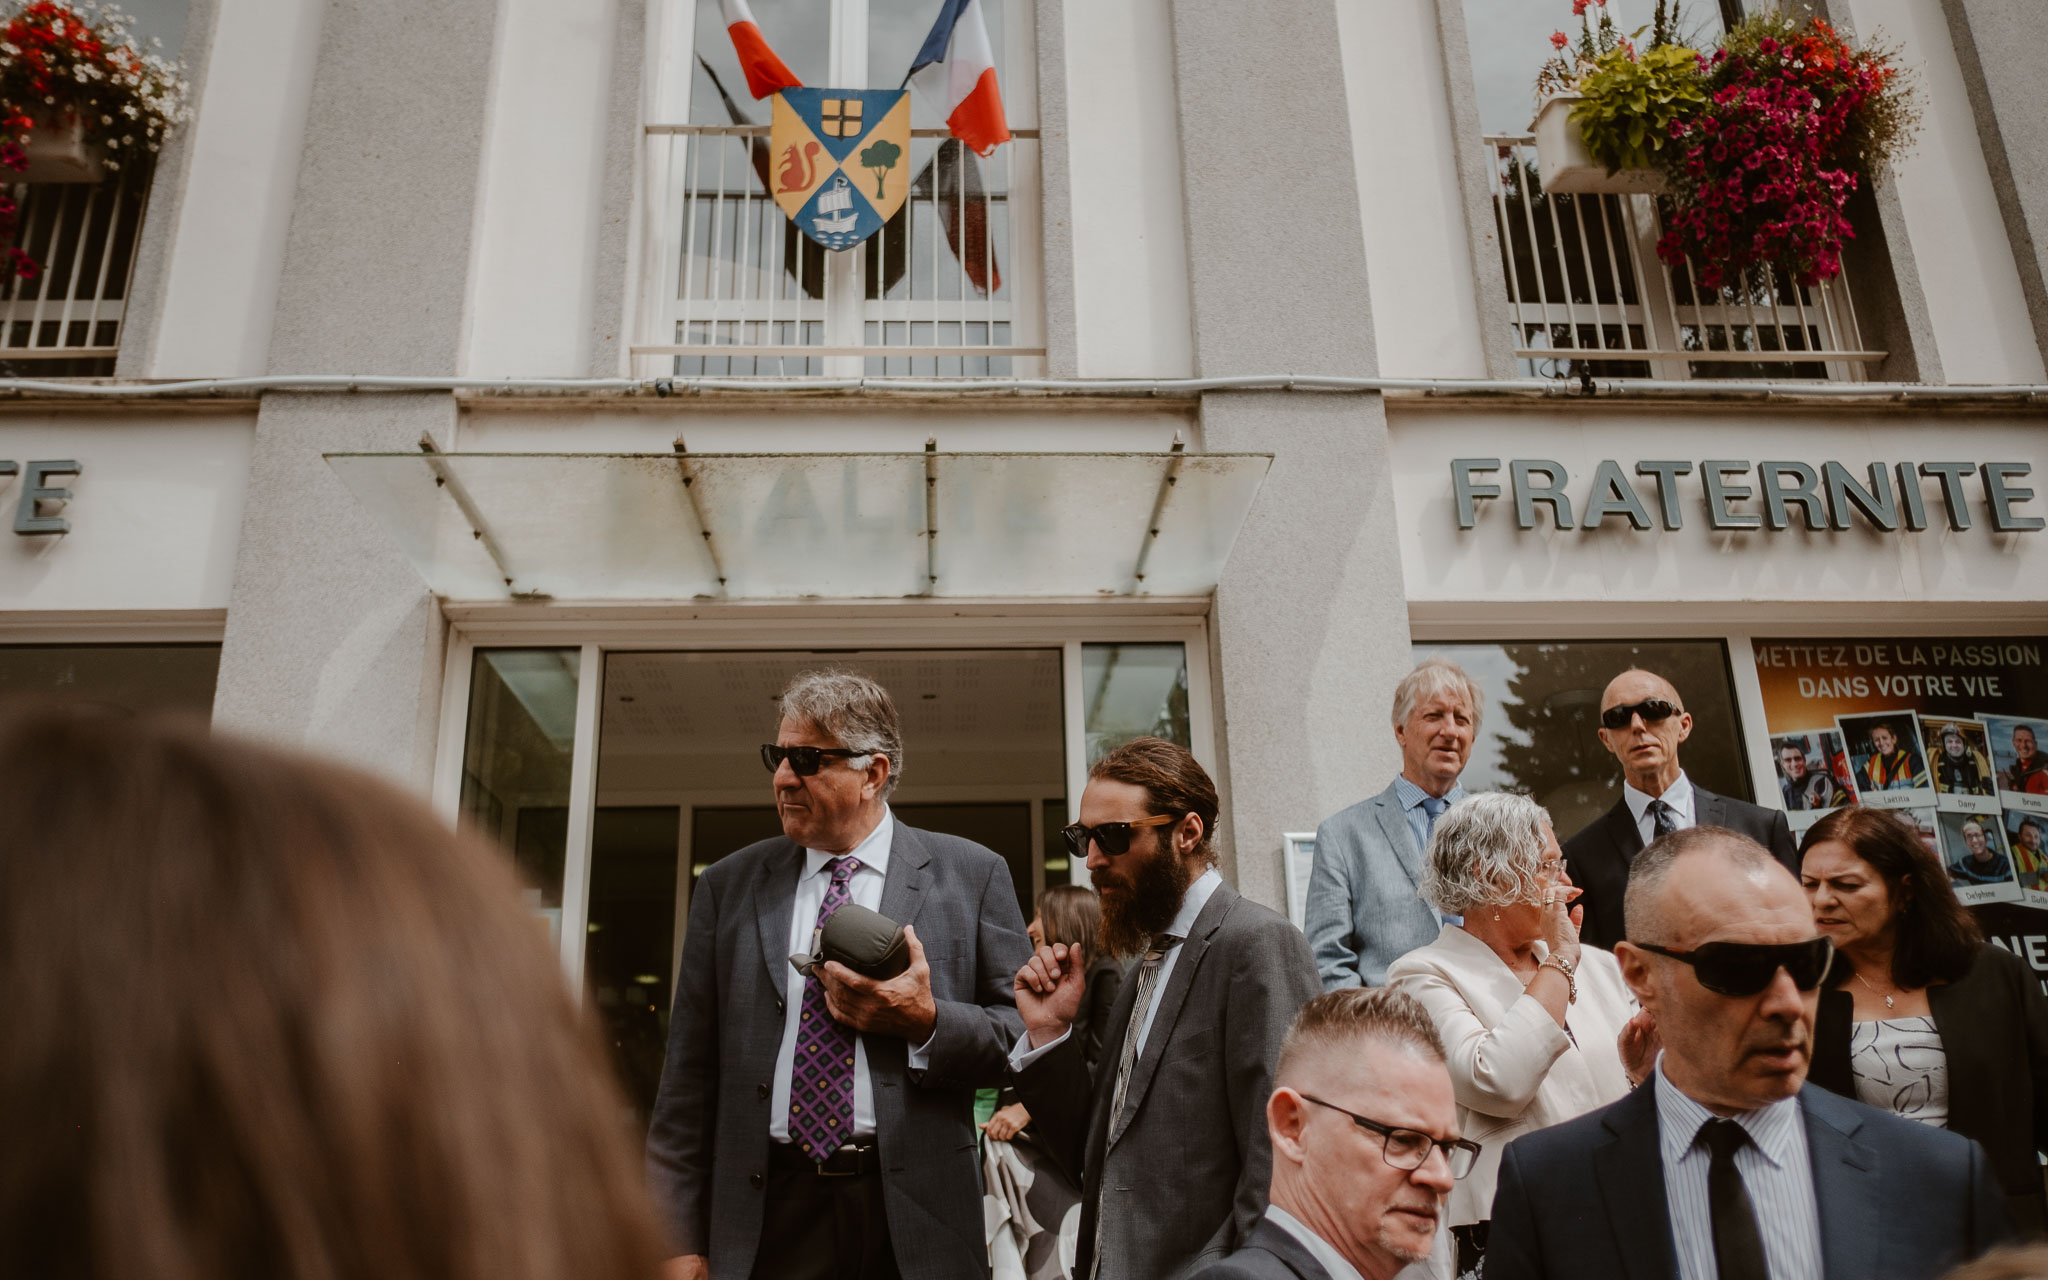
(1062, 348)
(611, 324)
(1276, 250)
(144, 314)
(1311, 622)
(2000, 46)
(1482, 229)
(332, 642)
(377, 260)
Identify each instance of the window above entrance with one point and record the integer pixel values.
(492, 527)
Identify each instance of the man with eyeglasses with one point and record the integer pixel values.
(1168, 1140)
(1364, 1128)
(821, 1124)
(1642, 722)
(1726, 1167)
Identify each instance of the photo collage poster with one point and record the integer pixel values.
(1946, 732)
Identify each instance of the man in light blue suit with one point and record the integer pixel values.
(1362, 911)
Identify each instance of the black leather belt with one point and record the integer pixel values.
(849, 1161)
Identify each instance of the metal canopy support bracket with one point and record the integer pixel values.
(445, 478)
(931, 515)
(696, 505)
(1151, 538)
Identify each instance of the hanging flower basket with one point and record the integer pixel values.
(1567, 167)
(57, 151)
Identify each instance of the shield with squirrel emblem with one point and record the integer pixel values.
(839, 160)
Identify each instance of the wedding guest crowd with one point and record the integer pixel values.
(268, 1018)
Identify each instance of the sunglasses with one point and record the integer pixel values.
(1113, 838)
(1745, 968)
(805, 761)
(1652, 710)
(1409, 1148)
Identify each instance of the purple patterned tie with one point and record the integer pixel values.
(821, 1075)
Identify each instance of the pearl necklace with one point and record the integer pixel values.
(1888, 1002)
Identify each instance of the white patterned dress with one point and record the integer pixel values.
(1900, 1066)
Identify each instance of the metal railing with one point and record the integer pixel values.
(948, 287)
(1587, 294)
(66, 321)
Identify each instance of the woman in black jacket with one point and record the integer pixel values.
(1922, 1016)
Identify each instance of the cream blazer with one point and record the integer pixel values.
(1512, 1066)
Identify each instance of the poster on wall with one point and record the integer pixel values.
(1946, 731)
(1813, 774)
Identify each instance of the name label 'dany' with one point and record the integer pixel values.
(1745, 495)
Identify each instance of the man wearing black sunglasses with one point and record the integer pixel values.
(1168, 1139)
(1642, 722)
(821, 1123)
(1725, 1166)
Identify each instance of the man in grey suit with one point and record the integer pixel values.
(1726, 1164)
(1362, 912)
(823, 1126)
(1642, 722)
(1344, 1203)
(1169, 1143)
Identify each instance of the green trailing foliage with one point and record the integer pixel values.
(1631, 100)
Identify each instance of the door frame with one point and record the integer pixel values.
(596, 632)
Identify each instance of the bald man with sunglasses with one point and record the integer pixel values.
(1642, 723)
(1725, 1166)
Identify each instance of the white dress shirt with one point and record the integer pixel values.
(865, 888)
(1776, 1169)
(1678, 795)
(1191, 904)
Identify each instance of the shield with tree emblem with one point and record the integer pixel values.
(839, 160)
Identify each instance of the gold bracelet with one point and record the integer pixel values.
(1564, 967)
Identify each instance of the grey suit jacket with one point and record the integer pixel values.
(1898, 1200)
(1362, 912)
(1269, 1253)
(1182, 1177)
(707, 1146)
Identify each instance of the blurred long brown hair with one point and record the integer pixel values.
(267, 1017)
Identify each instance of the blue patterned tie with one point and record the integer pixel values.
(821, 1073)
(1433, 808)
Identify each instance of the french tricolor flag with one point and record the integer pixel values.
(956, 69)
(765, 72)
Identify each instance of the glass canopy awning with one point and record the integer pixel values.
(576, 526)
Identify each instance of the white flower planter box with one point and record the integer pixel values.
(57, 152)
(1567, 168)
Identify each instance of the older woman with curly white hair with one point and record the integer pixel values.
(1538, 1029)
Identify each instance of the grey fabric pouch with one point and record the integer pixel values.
(867, 942)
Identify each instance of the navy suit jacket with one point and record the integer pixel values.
(707, 1145)
(1898, 1200)
(1598, 857)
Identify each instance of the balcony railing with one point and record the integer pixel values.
(67, 320)
(948, 287)
(1587, 294)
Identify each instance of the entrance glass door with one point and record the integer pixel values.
(614, 779)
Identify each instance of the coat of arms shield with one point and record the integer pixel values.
(840, 160)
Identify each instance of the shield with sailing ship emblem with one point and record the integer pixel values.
(839, 160)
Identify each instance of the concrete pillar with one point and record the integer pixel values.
(1311, 620)
(1999, 45)
(332, 641)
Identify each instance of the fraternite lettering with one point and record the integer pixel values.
(35, 514)
(1740, 495)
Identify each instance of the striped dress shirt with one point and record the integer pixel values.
(1775, 1167)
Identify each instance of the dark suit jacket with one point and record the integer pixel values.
(1183, 1176)
(1268, 1253)
(1598, 857)
(1993, 1023)
(1898, 1200)
(707, 1146)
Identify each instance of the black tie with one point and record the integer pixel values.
(1665, 817)
(1738, 1245)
